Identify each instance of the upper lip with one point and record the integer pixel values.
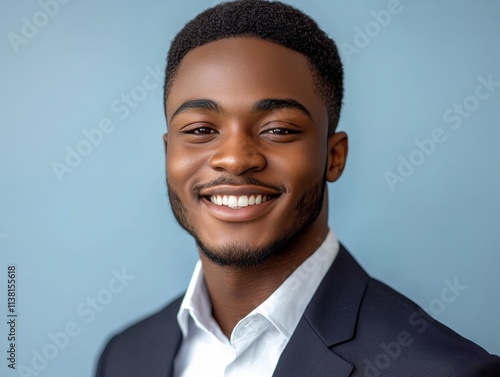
(238, 190)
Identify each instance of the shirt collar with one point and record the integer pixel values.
(196, 303)
(283, 308)
(287, 304)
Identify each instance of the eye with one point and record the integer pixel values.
(286, 134)
(281, 131)
(200, 131)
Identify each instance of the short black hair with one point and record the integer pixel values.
(273, 21)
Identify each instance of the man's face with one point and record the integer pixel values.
(247, 149)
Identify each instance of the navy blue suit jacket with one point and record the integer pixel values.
(353, 326)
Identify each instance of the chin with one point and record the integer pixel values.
(239, 252)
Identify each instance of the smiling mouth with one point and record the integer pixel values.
(239, 201)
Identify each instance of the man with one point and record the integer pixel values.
(253, 94)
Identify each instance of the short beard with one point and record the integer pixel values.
(245, 256)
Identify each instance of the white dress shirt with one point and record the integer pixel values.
(257, 340)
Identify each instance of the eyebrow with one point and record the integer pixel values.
(270, 104)
(196, 104)
(267, 104)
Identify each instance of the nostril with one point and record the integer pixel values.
(238, 162)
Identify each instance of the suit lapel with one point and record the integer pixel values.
(307, 355)
(164, 345)
(171, 349)
(329, 319)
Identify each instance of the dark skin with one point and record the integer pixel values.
(246, 111)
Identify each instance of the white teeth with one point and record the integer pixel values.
(232, 201)
(235, 202)
(243, 201)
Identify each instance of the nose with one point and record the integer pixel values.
(238, 153)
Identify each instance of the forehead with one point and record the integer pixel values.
(237, 72)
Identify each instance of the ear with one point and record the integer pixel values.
(337, 156)
(165, 142)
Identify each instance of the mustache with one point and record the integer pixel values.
(226, 180)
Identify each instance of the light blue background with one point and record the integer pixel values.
(111, 211)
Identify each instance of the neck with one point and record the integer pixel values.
(235, 292)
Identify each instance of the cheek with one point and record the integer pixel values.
(182, 164)
(304, 164)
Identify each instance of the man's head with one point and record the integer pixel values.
(250, 144)
(273, 21)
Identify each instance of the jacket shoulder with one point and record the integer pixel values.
(151, 326)
(398, 335)
(146, 347)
